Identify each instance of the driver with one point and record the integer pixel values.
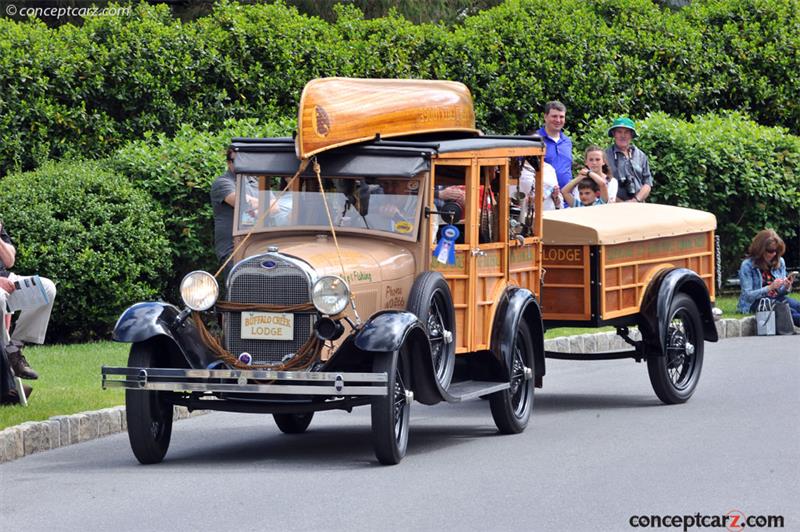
(395, 205)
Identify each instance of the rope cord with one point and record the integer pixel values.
(330, 218)
(300, 170)
(309, 352)
(306, 356)
(335, 240)
(230, 306)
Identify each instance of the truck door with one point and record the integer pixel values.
(488, 256)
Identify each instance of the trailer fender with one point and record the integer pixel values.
(656, 303)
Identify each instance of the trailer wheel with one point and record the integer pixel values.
(675, 373)
(430, 300)
(148, 413)
(390, 413)
(511, 408)
(293, 423)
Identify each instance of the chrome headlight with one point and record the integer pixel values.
(199, 290)
(330, 295)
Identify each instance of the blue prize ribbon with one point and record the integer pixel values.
(445, 251)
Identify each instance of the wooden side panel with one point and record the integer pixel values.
(628, 268)
(490, 270)
(458, 280)
(566, 293)
(339, 111)
(523, 265)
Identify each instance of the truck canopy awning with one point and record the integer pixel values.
(377, 158)
(617, 223)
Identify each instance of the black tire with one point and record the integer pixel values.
(674, 375)
(148, 413)
(390, 413)
(430, 300)
(512, 407)
(293, 423)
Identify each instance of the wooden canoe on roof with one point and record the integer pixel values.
(340, 111)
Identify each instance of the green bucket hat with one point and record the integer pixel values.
(625, 122)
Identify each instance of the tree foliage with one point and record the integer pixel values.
(89, 230)
(87, 90)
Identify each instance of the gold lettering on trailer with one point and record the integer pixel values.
(663, 247)
(562, 255)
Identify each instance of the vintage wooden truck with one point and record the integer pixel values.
(392, 253)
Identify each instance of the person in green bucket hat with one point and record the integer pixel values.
(628, 163)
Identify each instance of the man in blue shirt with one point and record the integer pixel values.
(558, 146)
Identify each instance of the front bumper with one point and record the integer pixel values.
(308, 383)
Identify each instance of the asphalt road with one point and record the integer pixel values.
(600, 449)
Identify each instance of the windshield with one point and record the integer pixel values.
(386, 205)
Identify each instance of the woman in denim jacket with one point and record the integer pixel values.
(763, 274)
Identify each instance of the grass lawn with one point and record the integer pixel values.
(69, 381)
(69, 375)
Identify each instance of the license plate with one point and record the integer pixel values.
(267, 326)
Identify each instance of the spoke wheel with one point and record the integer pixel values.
(148, 413)
(674, 375)
(390, 413)
(293, 423)
(511, 408)
(430, 300)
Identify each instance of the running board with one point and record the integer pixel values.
(466, 390)
(599, 355)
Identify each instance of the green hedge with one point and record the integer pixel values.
(747, 174)
(177, 172)
(87, 90)
(98, 238)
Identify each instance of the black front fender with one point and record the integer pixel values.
(658, 300)
(144, 321)
(388, 331)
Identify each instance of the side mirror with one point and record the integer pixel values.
(357, 194)
(363, 198)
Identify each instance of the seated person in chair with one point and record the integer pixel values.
(20, 293)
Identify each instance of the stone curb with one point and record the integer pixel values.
(59, 431)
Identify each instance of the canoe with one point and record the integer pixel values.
(336, 112)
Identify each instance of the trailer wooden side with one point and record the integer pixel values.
(599, 261)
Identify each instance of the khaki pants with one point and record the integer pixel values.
(32, 323)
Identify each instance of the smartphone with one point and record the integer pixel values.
(792, 275)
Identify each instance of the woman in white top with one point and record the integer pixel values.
(595, 160)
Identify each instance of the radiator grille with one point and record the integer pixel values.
(285, 284)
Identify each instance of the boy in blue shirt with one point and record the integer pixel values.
(592, 190)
